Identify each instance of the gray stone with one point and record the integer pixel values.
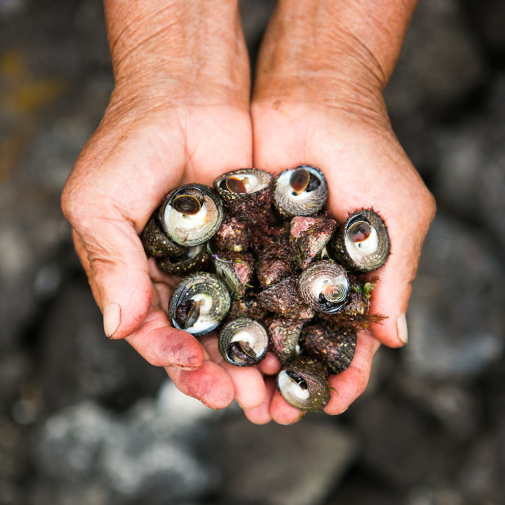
(285, 465)
(470, 175)
(455, 315)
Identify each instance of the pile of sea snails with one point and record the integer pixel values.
(267, 266)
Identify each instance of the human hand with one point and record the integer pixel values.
(177, 115)
(330, 113)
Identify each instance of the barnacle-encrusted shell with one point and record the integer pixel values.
(246, 192)
(283, 298)
(199, 303)
(193, 259)
(156, 242)
(235, 269)
(232, 236)
(310, 236)
(302, 383)
(284, 334)
(334, 349)
(191, 214)
(363, 242)
(243, 342)
(324, 286)
(300, 191)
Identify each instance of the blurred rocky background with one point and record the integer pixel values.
(86, 421)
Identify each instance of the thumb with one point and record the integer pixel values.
(116, 265)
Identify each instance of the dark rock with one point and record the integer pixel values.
(456, 312)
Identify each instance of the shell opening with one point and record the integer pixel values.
(242, 183)
(293, 386)
(361, 239)
(187, 204)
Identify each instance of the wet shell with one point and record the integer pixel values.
(235, 269)
(310, 236)
(156, 243)
(283, 299)
(193, 259)
(246, 192)
(303, 384)
(199, 303)
(191, 215)
(363, 242)
(300, 191)
(334, 350)
(284, 334)
(243, 342)
(324, 286)
(232, 236)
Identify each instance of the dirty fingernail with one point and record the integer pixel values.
(111, 318)
(401, 328)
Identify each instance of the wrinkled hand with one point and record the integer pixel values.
(337, 121)
(170, 121)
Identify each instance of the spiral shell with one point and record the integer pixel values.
(243, 342)
(199, 303)
(300, 191)
(324, 286)
(363, 242)
(302, 383)
(246, 192)
(156, 243)
(192, 260)
(191, 214)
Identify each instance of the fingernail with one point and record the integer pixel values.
(401, 328)
(111, 318)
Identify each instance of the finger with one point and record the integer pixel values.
(269, 365)
(210, 384)
(349, 384)
(248, 382)
(117, 268)
(282, 412)
(261, 413)
(162, 345)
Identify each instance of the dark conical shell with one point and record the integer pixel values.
(309, 236)
(284, 334)
(156, 242)
(334, 350)
(254, 197)
(243, 342)
(194, 227)
(282, 298)
(324, 286)
(235, 269)
(363, 242)
(210, 296)
(232, 236)
(302, 383)
(306, 202)
(193, 259)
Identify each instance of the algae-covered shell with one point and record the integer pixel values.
(300, 191)
(191, 214)
(243, 342)
(199, 303)
(363, 242)
(302, 383)
(235, 269)
(284, 334)
(334, 349)
(192, 260)
(324, 286)
(246, 192)
(156, 242)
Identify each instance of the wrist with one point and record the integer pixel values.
(178, 49)
(332, 50)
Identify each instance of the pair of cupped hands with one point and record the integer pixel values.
(186, 115)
